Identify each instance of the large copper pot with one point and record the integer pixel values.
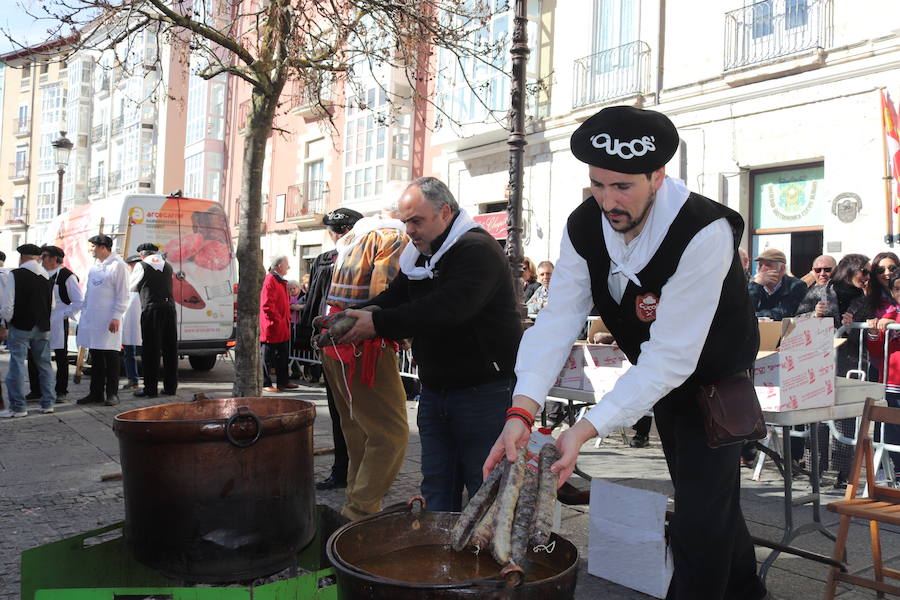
(219, 489)
(403, 553)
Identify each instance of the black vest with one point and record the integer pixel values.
(733, 339)
(155, 288)
(59, 280)
(32, 303)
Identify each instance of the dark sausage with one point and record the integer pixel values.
(477, 506)
(525, 508)
(546, 496)
(501, 547)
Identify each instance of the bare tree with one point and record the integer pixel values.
(324, 48)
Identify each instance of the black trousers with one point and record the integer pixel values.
(105, 365)
(275, 356)
(713, 554)
(341, 459)
(160, 337)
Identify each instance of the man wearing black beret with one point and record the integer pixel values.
(26, 309)
(660, 264)
(151, 278)
(66, 301)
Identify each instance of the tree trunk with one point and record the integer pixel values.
(247, 364)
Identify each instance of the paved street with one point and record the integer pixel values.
(51, 468)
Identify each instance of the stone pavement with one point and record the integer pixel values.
(51, 468)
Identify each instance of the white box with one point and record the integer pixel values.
(603, 365)
(794, 368)
(572, 372)
(626, 543)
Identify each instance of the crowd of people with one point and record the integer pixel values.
(127, 304)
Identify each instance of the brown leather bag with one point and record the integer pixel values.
(731, 412)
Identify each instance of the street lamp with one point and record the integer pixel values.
(517, 142)
(62, 146)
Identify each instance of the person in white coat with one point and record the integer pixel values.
(65, 305)
(100, 329)
(131, 331)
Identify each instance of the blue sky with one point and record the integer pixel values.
(20, 25)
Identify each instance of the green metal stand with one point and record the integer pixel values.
(97, 566)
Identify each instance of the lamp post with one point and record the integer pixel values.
(62, 146)
(516, 141)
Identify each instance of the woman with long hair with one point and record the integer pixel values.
(878, 298)
(529, 279)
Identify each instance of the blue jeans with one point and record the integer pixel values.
(457, 429)
(19, 341)
(130, 360)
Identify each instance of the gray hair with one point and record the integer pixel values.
(437, 193)
(545, 263)
(277, 259)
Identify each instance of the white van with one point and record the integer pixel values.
(193, 235)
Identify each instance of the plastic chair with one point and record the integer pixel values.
(881, 506)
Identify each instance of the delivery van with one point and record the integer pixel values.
(194, 237)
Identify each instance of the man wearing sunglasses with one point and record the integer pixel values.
(814, 303)
(774, 294)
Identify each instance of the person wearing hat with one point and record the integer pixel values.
(775, 294)
(660, 264)
(152, 280)
(338, 223)
(66, 304)
(131, 331)
(26, 309)
(100, 328)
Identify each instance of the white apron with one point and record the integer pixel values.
(105, 298)
(61, 310)
(131, 323)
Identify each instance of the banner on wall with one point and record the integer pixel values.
(789, 198)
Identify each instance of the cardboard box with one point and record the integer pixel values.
(794, 367)
(603, 365)
(626, 543)
(572, 372)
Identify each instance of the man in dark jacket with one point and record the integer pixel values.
(152, 280)
(454, 297)
(774, 294)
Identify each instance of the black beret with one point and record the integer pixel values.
(29, 250)
(2, 255)
(147, 247)
(341, 216)
(133, 258)
(626, 139)
(101, 240)
(53, 251)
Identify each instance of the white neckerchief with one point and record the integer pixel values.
(629, 259)
(410, 255)
(359, 231)
(155, 260)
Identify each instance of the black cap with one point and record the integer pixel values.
(626, 139)
(53, 251)
(133, 258)
(147, 247)
(29, 250)
(101, 240)
(2, 255)
(341, 216)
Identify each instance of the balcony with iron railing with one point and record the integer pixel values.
(96, 185)
(21, 127)
(775, 29)
(14, 216)
(98, 134)
(614, 73)
(307, 200)
(18, 172)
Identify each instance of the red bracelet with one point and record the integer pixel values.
(522, 417)
(522, 413)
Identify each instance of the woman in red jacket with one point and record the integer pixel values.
(274, 326)
(875, 343)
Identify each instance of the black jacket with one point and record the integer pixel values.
(780, 305)
(464, 321)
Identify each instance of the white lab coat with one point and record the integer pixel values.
(105, 298)
(61, 310)
(131, 324)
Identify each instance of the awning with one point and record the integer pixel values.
(494, 223)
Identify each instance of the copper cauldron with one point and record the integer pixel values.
(403, 553)
(219, 489)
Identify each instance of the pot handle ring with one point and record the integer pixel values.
(243, 412)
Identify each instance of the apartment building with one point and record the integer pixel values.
(777, 103)
(34, 99)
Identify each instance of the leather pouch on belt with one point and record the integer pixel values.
(731, 412)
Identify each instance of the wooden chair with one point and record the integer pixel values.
(881, 506)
